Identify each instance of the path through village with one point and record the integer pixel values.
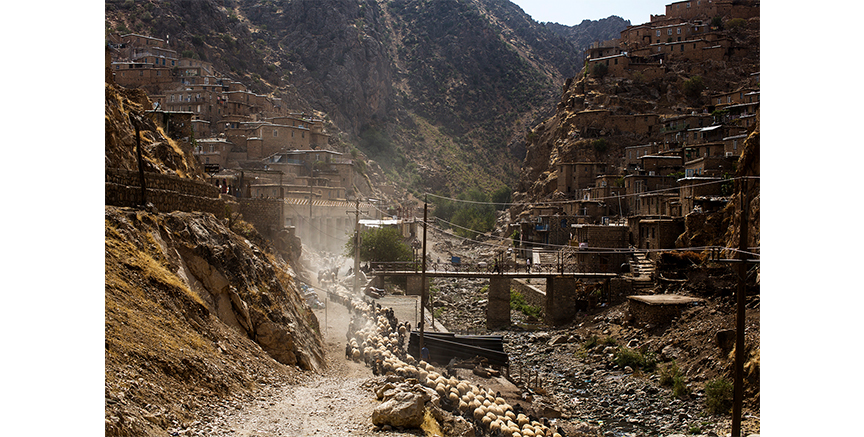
(333, 404)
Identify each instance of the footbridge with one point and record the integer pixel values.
(561, 284)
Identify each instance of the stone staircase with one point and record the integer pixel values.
(643, 272)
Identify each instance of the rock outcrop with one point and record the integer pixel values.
(194, 311)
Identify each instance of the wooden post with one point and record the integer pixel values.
(738, 396)
(423, 276)
(140, 160)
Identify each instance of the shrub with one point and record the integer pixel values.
(667, 374)
(381, 245)
(600, 145)
(680, 389)
(517, 302)
(599, 70)
(718, 396)
(635, 359)
(693, 87)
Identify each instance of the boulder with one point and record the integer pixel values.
(405, 409)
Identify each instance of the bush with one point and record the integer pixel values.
(599, 70)
(693, 87)
(635, 359)
(381, 245)
(718, 396)
(680, 389)
(517, 302)
(667, 374)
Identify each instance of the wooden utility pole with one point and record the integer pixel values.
(743, 237)
(423, 276)
(356, 243)
(140, 159)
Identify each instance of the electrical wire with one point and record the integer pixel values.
(553, 202)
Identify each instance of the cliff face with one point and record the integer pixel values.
(194, 311)
(443, 90)
(196, 308)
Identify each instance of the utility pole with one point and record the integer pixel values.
(743, 237)
(423, 275)
(140, 159)
(356, 244)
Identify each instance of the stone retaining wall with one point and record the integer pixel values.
(165, 192)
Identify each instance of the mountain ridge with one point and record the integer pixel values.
(414, 85)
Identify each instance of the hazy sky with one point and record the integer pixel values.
(572, 12)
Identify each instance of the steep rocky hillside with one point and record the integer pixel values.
(558, 139)
(196, 308)
(160, 153)
(439, 93)
(194, 312)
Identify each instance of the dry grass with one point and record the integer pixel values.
(430, 426)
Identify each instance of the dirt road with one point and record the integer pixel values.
(332, 404)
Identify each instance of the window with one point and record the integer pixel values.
(669, 31)
(658, 33)
(275, 133)
(679, 31)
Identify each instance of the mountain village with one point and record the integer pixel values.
(253, 146)
(625, 181)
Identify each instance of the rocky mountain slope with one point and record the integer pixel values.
(439, 93)
(197, 308)
(557, 139)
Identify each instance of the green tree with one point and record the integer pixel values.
(599, 70)
(693, 87)
(471, 213)
(380, 245)
(500, 196)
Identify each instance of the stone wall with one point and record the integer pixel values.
(165, 192)
(533, 295)
(265, 214)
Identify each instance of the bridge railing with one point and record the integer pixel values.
(478, 267)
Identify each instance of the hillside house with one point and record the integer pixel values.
(658, 205)
(573, 177)
(660, 165)
(212, 151)
(732, 146)
(655, 233)
(636, 184)
(602, 248)
(695, 189)
(633, 154)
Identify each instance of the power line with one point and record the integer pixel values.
(553, 202)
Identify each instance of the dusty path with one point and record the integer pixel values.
(332, 404)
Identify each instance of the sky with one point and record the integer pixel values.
(572, 12)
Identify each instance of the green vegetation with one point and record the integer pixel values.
(718, 396)
(693, 87)
(380, 245)
(472, 216)
(600, 145)
(517, 302)
(635, 359)
(670, 376)
(500, 196)
(599, 70)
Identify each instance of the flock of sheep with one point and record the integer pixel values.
(378, 344)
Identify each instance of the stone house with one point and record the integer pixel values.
(573, 177)
(655, 233)
(637, 184)
(696, 188)
(732, 146)
(602, 248)
(633, 154)
(212, 151)
(661, 165)
(710, 166)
